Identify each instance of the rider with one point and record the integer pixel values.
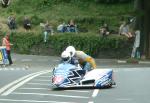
(66, 57)
(86, 61)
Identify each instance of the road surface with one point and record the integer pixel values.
(29, 81)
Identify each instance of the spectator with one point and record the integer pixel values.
(11, 22)
(72, 27)
(104, 30)
(47, 30)
(124, 30)
(62, 28)
(5, 3)
(6, 42)
(135, 50)
(27, 23)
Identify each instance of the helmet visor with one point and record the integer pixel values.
(65, 59)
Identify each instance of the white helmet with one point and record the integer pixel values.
(71, 50)
(65, 56)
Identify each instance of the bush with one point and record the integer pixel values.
(132, 60)
(91, 44)
(23, 42)
(36, 20)
(113, 1)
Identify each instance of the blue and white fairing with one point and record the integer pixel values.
(101, 77)
(68, 75)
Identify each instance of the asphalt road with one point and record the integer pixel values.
(29, 81)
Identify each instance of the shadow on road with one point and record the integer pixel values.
(79, 88)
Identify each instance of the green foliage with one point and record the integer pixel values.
(87, 14)
(42, 4)
(23, 42)
(89, 43)
(36, 20)
(132, 60)
(113, 1)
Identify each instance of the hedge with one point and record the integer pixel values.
(30, 43)
(113, 1)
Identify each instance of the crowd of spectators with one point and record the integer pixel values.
(104, 29)
(47, 28)
(123, 30)
(70, 27)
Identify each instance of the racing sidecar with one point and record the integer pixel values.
(66, 75)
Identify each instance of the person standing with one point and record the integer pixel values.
(7, 44)
(47, 30)
(135, 51)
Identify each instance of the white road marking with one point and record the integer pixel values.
(38, 84)
(121, 61)
(23, 82)
(26, 60)
(54, 95)
(34, 88)
(124, 99)
(141, 69)
(90, 102)
(12, 69)
(95, 93)
(17, 68)
(144, 62)
(77, 91)
(41, 80)
(5, 69)
(31, 101)
(15, 82)
(128, 70)
(45, 76)
(42, 60)
(56, 60)
(122, 68)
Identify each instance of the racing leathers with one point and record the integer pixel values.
(86, 61)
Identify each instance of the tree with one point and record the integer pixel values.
(142, 8)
